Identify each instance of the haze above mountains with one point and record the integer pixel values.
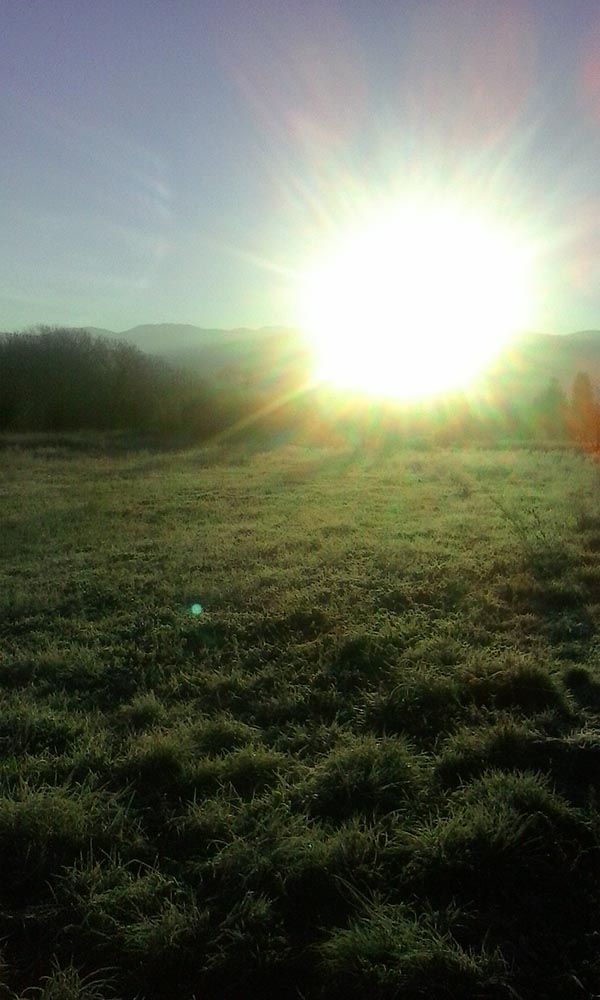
(208, 352)
(527, 363)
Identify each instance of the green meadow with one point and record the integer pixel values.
(298, 723)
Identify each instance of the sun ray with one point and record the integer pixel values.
(416, 299)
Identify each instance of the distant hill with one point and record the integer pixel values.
(281, 355)
(242, 356)
(531, 360)
(579, 351)
(175, 339)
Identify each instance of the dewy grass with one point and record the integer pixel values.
(66, 983)
(368, 777)
(300, 723)
(390, 951)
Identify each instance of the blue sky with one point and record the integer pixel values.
(181, 160)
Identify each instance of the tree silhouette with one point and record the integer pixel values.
(550, 411)
(584, 409)
(53, 379)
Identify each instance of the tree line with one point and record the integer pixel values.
(575, 416)
(584, 412)
(53, 380)
(58, 380)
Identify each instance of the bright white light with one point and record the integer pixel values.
(417, 300)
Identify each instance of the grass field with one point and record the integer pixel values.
(299, 724)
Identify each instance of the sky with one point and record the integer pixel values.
(184, 160)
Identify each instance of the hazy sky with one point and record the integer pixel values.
(180, 160)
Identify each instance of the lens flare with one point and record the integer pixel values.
(415, 300)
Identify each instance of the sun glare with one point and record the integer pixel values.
(417, 300)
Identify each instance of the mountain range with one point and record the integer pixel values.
(241, 355)
(527, 364)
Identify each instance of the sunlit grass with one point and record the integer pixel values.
(337, 772)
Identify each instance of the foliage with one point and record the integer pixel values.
(56, 381)
(584, 409)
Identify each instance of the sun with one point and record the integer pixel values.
(415, 300)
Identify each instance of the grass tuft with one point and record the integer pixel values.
(369, 777)
(390, 951)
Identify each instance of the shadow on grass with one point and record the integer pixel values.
(553, 588)
(506, 850)
(570, 762)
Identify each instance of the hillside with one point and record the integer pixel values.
(194, 346)
(534, 359)
(527, 364)
(241, 356)
(278, 357)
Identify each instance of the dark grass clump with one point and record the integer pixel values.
(360, 661)
(43, 829)
(251, 769)
(66, 982)
(155, 765)
(494, 801)
(222, 733)
(389, 951)
(144, 711)
(305, 742)
(583, 686)
(29, 728)
(87, 681)
(299, 625)
(132, 917)
(423, 705)
(507, 847)
(250, 953)
(570, 761)
(367, 777)
(526, 688)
